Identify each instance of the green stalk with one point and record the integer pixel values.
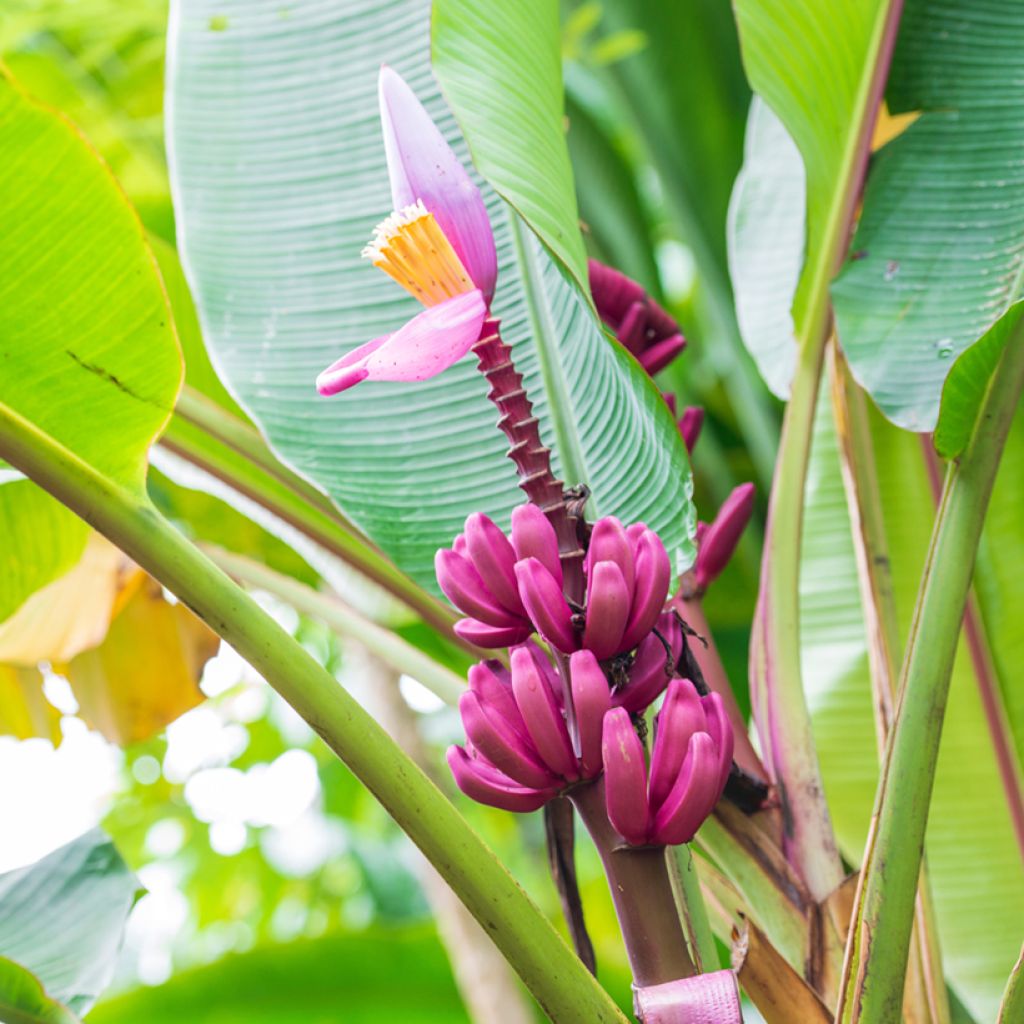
(693, 913)
(565, 990)
(392, 650)
(925, 999)
(876, 956)
(245, 439)
(268, 483)
(782, 716)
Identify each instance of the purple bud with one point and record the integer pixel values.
(465, 588)
(591, 701)
(486, 785)
(495, 560)
(535, 698)
(542, 595)
(625, 778)
(670, 401)
(649, 673)
(661, 353)
(692, 796)
(533, 536)
(613, 292)
(633, 328)
(689, 425)
(653, 575)
(608, 604)
(609, 542)
(722, 536)
(480, 635)
(680, 717)
(501, 744)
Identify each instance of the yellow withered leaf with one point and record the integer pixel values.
(24, 711)
(146, 672)
(70, 614)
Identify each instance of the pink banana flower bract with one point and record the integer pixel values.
(437, 244)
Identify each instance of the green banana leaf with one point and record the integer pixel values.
(937, 255)
(278, 168)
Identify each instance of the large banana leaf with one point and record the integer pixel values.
(99, 349)
(937, 254)
(973, 857)
(817, 66)
(279, 173)
(63, 917)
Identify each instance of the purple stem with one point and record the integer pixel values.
(642, 893)
(527, 451)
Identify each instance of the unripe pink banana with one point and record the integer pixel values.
(608, 607)
(543, 718)
(492, 787)
(591, 702)
(546, 605)
(625, 778)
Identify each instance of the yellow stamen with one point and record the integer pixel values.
(411, 247)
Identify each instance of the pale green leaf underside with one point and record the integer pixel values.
(939, 253)
(41, 541)
(87, 348)
(279, 174)
(972, 854)
(63, 917)
(765, 236)
(500, 66)
(811, 62)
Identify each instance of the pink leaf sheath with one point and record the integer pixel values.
(492, 554)
(533, 536)
(490, 637)
(486, 785)
(712, 998)
(608, 604)
(422, 348)
(625, 778)
(680, 717)
(542, 715)
(502, 745)
(546, 605)
(591, 702)
(421, 165)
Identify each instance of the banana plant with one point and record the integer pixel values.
(876, 289)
